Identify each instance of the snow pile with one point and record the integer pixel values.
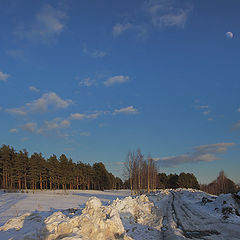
(99, 222)
(16, 223)
(56, 225)
(137, 209)
(27, 226)
(95, 221)
(226, 205)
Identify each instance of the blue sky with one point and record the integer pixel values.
(95, 79)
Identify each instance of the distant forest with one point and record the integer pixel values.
(18, 170)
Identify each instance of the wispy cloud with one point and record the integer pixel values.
(120, 28)
(30, 127)
(203, 153)
(207, 112)
(116, 80)
(81, 116)
(139, 29)
(13, 130)
(85, 134)
(238, 110)
(46, 24)
(33, 89)
(126, 110)
(4, 76)
(202, 106)
(18, 111)
(42, 104)
(155, 14)
(94, 52)
(165, 13)
(87, 82)
(17, 54)
(53, 126)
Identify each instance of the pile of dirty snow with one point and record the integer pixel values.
(93, 222)
(226, 205)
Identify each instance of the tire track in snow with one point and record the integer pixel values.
(190, 233)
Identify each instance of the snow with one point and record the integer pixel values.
(97, 215)
(47, 201)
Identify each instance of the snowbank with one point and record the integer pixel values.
(95, 222)
(226, 205)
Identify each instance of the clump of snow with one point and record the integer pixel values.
(56, 225)
(16, 223)
(27, 226)
(138, 209)
(99, 222)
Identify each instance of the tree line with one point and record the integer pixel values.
(183, 180)
(143, 175)
(221, 185)
(18, 170)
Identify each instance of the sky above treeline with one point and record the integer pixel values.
(94, 79)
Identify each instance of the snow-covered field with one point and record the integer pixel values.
(97, 215)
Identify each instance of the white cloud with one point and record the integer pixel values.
(116, 80)
(203, 107)
(30, 127)
(85, 134)
(165, 13)
(52, 126)
(238, 110)
(4, 76)
(13, 130)
(94, 52)
(210, 119)
(18, 111)
(120, 28)
(155, 13)
(42, 104)
(81, 116)
(33, 89)
(203, 153)
(47, 23)
(172, 19)
(87, 82)
(126, 110)
(206, 112)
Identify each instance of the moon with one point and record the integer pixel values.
(229, 35)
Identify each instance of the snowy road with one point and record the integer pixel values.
(184, 218)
